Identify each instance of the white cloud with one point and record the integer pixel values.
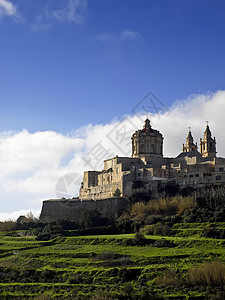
(121, 36)
(61, 11)
(129, 34)
(32, 163)
(71, 10)
(7, 8)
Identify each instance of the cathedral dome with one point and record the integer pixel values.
(147, 130)
(147, 141)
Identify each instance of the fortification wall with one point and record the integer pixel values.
(71, 209)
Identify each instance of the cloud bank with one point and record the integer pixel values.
(42, 165)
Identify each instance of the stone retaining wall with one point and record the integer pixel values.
(72, 209)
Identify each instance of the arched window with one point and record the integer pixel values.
(152, 148)
(221, 169)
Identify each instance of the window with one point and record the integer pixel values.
(139, 174)
(221, 169)
(197, 175)
(218, 177)
(191, 175)
(153, 148)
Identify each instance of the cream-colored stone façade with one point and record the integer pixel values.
(147, 164)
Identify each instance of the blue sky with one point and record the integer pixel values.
(71, 70)
(67, 63)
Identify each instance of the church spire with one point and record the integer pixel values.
(189, 146)
(208, 144)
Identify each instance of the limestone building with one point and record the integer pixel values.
(147, 164)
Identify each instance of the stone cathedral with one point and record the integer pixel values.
(99, 189)
(147, 164)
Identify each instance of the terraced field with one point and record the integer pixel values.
(109, 267)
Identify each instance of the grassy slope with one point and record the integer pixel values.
(74, 265)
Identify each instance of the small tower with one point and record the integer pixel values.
(147, 142)
(208, 144)
(190, 146)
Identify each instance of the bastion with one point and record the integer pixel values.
(72, 209)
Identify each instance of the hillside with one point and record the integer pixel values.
(184, 265)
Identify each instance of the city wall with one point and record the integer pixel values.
(72, 209)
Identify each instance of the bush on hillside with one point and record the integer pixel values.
(8, 225)
(211, 231)
(138, 240)
(208, 274)
(170, 277)
(163, 206)
(92, 218)
(157, 229)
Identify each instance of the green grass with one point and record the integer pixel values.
(76, 265)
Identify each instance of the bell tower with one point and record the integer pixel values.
(190, 146)
(208, 144)
(147, 142)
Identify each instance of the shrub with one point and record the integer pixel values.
(208, 274)
(8, 225)
(167, 231)
(91, 218)
(136, 226)
(148, 229)
(117, 193)
(164, 243)
(153, 219)
(211, 231)
(124, 225)
(139, 210)
(162, 206)
(157, 229)
(138, 240)
(50, 231)
(170, 277)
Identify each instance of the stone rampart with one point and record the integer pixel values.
(72, 209)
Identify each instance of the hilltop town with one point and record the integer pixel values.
(109, 189)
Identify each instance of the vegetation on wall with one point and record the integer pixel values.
(117, 193)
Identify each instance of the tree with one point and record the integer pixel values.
(90, 218)
(117, 193)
